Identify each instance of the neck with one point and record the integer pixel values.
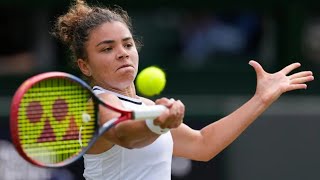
(129, 91)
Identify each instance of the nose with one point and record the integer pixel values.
(122, 53)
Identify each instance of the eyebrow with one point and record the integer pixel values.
(112, 41)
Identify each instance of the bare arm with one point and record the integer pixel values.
(131, 134)
(212, 139)
(208, 142)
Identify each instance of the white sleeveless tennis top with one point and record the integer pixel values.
(152, 162)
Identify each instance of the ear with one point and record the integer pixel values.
(84, 67)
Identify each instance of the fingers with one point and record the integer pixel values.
(165, 101)
(172, 117)
(257, 67)
(162, 119)
(176, 115)
(178, 111)
(286, 70)
(300, 74)
(302, 80)
(299, 80)
(297, 86)
(301, 77)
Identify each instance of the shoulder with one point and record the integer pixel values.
(110, 98)
(106, 96)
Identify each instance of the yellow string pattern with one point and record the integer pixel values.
(56, 119)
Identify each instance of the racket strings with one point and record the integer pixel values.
(55, 120)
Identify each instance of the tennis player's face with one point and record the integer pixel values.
(112, 56)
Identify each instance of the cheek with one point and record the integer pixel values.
(101, 68)
(98, 67)
(101, 61)
(136, 59)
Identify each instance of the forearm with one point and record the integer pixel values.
(129, 134)
(218, 135)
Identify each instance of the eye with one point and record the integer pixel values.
(107, 49)
(128, 45)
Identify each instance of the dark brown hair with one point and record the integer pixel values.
(73, 28)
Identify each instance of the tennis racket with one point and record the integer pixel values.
(54, 118)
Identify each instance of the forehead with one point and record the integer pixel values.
(109, 31)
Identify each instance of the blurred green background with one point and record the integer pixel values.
(204, 47)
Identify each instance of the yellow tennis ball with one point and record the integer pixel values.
(151, 81)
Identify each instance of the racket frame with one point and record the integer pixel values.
(148, 113)
(17, 98)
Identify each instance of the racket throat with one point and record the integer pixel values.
(112, 122)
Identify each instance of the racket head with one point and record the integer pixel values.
(52, 119)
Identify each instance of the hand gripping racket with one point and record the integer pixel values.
(54, 118)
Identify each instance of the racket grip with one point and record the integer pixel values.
(149, 112)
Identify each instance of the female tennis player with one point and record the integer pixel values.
(105, 51)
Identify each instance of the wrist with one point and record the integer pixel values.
(155, 128)
(265, 100)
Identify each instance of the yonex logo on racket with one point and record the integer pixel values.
(35, 113)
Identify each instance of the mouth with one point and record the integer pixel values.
(125, 66)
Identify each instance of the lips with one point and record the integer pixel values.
(125, 66)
